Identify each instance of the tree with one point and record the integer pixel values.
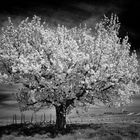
(64, 67)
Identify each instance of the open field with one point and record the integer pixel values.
(106, 131)
(119, 118)
(73, 118)
(98, 127)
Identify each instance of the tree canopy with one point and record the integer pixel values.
(68, 66)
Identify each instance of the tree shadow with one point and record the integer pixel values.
(79, 130)
(29, 129)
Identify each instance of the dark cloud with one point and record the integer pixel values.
(70, 13)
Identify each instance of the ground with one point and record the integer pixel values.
(104, 128)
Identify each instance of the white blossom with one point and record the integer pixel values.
(60, 64)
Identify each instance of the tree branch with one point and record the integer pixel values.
(8, 69)
(36, 78)
(43, 101)
(111, 86)
(69, 102)
(83, 91)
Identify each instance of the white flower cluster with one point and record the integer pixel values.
(63, 60)
(3, 77)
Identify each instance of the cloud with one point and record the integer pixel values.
(71, 14)
(96, 9)
(86, 7)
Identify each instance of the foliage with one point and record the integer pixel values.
(68, 66)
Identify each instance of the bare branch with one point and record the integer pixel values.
(70, 102)
(40, 101)
(7, 68)
(106, 88)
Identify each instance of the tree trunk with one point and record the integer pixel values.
(60, 117)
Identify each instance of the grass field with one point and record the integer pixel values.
(104, 131)
(99, 127)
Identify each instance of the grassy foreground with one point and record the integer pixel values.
(105, 131)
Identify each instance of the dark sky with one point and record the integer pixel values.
(70, 13)
(73, 12)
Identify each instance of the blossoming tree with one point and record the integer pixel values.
(64, 67)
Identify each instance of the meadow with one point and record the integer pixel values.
(95, 127)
